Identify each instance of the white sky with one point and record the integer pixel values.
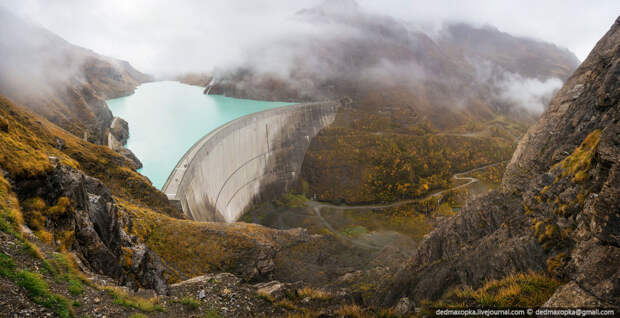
(166, 37)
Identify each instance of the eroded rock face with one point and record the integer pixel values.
(137, 164)
(588, 101)
(558, 208)
(100, 238)
(120, 130)
(117, 139)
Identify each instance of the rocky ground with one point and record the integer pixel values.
(53, 291)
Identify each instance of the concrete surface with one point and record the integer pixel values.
(248, 160)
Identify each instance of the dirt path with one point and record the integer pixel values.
(317, 206)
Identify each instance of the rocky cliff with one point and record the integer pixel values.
(65, 83)
(557, 212)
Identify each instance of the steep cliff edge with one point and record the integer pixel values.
(557, 212)
(65, 83)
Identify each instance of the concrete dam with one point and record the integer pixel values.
(248, 160)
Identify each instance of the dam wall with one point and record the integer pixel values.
(248, 160)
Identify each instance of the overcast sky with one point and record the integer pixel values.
(165, 37)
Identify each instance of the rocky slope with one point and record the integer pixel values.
(65, 83)
(557, 212)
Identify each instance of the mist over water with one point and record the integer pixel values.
(167, 118)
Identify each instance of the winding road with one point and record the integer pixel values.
(317, 206)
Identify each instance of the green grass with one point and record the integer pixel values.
(354, 231)
(138, 315)
(75, 287)
(37, 288)
(38, 292)
(7, 266)
(63, 272)
(190, 302)
(211, 313)
(292, 200)
(142, 304)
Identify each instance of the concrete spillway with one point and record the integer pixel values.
(248, 160)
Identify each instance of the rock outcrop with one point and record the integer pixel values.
(117, 140)
(557, 211)
(95, 228)
(120, 131)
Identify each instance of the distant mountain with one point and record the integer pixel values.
(526, 57)
(435, 103)
(459, 74)
(65, 83)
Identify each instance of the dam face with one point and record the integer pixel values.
(249, 160)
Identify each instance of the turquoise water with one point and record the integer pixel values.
(167, 118)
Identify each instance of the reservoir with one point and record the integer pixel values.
(166, 118)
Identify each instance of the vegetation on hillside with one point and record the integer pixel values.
(372, 162)
(523, 290)
(29, 146)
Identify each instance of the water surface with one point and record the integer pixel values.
(167, 118)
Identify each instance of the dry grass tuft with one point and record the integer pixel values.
(313, 293)
(122, 298)
(578, 164)
(523, 290)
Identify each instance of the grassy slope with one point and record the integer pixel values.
(30, 141)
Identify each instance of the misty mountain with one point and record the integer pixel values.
(65, 83)
(459, 73)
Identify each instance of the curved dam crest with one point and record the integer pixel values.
(248, 160)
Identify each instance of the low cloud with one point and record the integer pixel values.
(199, 35)
(530, 93)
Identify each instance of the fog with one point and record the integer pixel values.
(192, 36)
(531, 93)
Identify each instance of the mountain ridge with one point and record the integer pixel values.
(65, 83)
